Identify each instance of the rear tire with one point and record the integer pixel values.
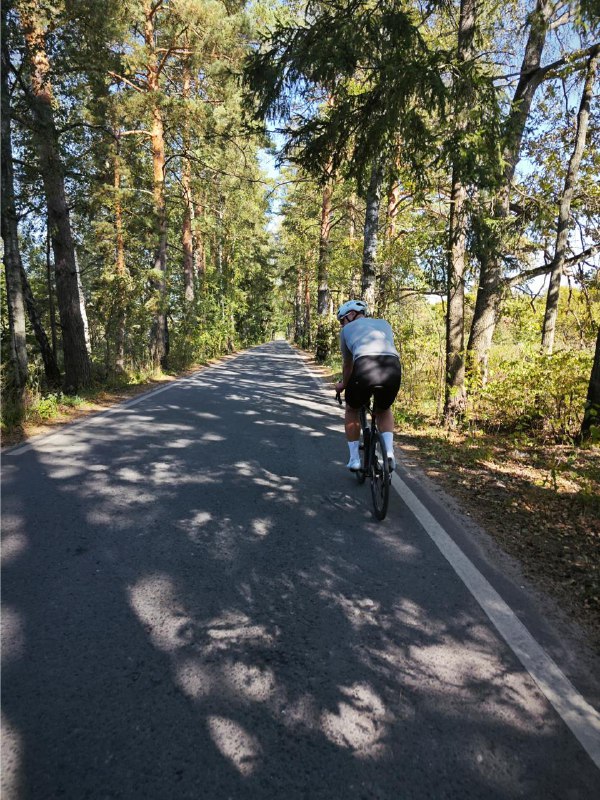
(380, 477)
(363, 447)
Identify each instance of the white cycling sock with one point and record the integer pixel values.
(353, 447)
(388, 440)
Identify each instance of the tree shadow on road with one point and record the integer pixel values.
(198, 608)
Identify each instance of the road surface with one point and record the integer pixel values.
(198, 603)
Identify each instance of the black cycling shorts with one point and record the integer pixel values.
(377, 376)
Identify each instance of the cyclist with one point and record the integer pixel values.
(371, 367)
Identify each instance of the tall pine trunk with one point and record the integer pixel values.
(455, 394)
(10, 238)
(355, 277)
(76, 358)
(491, 282)
(564, 212)
(47, 351)
(159, 336)
(187, 239)
(120, 266)
(368, 285)
(323, 335)
(384, 284)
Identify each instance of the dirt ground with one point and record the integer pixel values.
(540, 503)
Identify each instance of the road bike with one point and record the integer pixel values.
(374, 460)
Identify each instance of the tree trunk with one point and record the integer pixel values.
(323, 337)
(120, 267)
(77, 362)
(491, 285)
(384, 283)
(368, 285)
(591, 416)
(10, 237)
(82, 309)
(307, 332)
(298, 316)
(455, 394)
(198, 244)
(356, 271)
(51, 292)
(564, 212)
(47, 352)
(159, 334)
(188, 203)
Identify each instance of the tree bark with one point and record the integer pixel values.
(564, 212)
(491, 288)
(10, 237)
(76, 358)
(47, 352)
(368, 285)
(198, 244)
(159, 334)
(455, 394)
(307, 335)
(323, 337)
(384, 283)
(591, 416)
(188, 202)
(120, 266)
(356, 269)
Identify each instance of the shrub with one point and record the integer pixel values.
(535, 392)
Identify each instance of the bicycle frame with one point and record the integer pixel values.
(373, 465)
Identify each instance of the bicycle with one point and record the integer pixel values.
(374, 460)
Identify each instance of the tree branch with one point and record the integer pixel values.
(546, 268)
(125, 80)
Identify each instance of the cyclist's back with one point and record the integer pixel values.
(367, 337)
(371, 367)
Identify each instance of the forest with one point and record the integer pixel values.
(185, 178)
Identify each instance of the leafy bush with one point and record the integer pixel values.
(535, 392)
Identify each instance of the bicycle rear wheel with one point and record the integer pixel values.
(363, 447)
(380, 476)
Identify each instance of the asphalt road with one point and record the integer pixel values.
(197, 603)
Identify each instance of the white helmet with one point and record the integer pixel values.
(352, 305)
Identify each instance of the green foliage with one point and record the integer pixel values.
(376, 64)
(536, 392)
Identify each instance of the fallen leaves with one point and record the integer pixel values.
(540, 502)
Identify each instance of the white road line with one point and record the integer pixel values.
(582, 718)
(577, 713)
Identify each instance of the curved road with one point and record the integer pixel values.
(197, 603)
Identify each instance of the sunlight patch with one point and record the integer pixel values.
(236, 744)
(212, 437)
(11, 754)
(154, 602)
(130, 475)
(254, 683)
(13, 638)
(261, 527)
(13, 546)
(359, 724)
(194, 679)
